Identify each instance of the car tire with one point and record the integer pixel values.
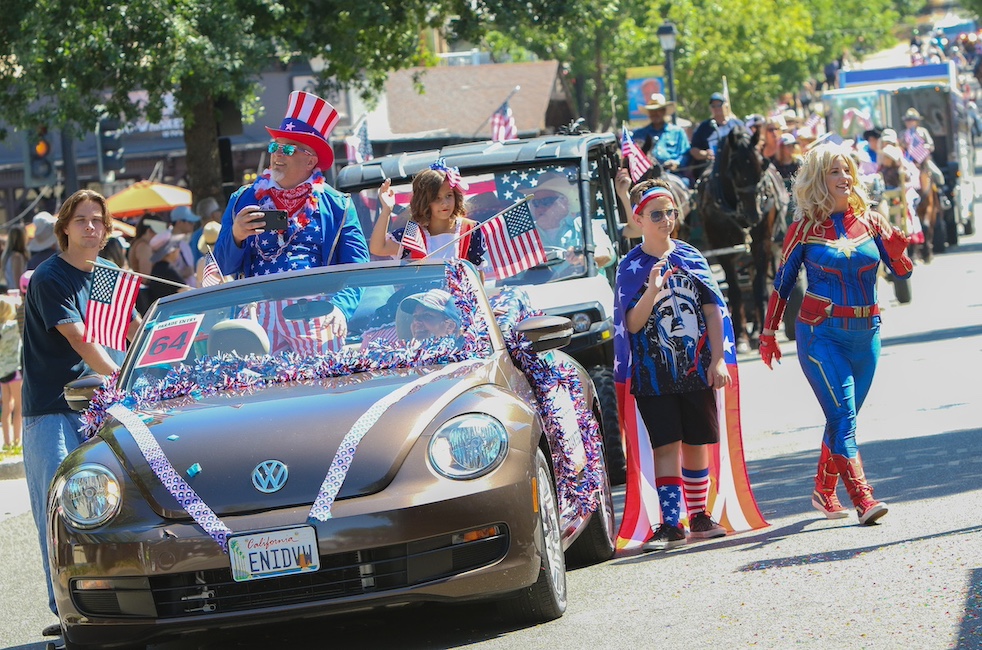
(603, 381)
(597, 541)
(546, 599)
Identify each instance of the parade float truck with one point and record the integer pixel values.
(499, 173)
(880, 97)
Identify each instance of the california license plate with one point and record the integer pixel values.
(272, 554)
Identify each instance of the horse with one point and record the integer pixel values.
(740, 200)
(928, 211)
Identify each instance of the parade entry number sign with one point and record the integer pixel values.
(170, 341)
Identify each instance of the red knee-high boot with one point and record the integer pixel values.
(823, 498)
(861, 493)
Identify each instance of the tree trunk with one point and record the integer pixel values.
(201, 142)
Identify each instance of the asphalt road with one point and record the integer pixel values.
(915, 581)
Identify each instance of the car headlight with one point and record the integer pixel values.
(581, 322)
(468, 446)
(89, 496)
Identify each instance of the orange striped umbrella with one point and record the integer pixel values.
(147, 196)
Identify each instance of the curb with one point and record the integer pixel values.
(12, 468)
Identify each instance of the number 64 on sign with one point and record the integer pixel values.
(170, 341)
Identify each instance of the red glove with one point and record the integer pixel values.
(769, 349)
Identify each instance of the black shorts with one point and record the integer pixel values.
(687, 417)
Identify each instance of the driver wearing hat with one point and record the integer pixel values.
(667, 142)
(554, 205)
(323, 227)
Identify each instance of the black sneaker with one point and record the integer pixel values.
(665, 537)
(702, 526)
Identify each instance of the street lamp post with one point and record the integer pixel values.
(667, 36)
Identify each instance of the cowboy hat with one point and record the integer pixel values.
(656, 101)
(309, 120)
(553, 182)
(44, 233)
(889, 136)
(912, 114)
(209, 235)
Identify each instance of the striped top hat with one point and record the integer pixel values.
(309, 120)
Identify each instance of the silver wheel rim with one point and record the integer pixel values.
(550, 533)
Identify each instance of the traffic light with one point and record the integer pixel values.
(39, 165)
(109, 143)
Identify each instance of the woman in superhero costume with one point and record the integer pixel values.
(841, 242)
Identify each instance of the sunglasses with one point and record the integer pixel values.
(544, 202)
(286, 149)
(429, 318)
(657, 216)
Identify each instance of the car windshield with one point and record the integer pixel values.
(284, 325)
(556, 207)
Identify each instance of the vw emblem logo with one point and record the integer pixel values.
(269, 476)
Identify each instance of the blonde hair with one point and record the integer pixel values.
(812, 199)
(8, 311)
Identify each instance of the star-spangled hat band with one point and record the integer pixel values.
(309, 120)
(650, 194)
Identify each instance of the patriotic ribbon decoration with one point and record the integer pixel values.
(170, 477)
(452, 173)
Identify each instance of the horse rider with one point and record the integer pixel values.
(667, 142)
(710, 132)
(915, 133)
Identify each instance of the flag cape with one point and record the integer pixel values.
(731, 501)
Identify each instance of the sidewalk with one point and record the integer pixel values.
(11, 468)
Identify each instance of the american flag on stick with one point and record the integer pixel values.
(110, 308)
(637, 162)
(412, 238)
(503, 124)
(917, 148)
(512, 242)
(213, 273)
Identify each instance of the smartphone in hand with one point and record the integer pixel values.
(276, 220)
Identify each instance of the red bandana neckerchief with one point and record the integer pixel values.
(300, 202)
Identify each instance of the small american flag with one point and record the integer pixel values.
(917, 148)
(110, 308)
(358, 147)
(512, 242)
(213, 273)
(412, 238)
(503, 124)
(638, 163)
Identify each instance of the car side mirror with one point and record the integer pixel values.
(547, 332)
(79, 393)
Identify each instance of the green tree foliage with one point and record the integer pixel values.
(763, 47)
(69, 61)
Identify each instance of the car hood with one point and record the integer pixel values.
(300, 424)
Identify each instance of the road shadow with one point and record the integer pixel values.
(961, 249)
(970, 631)
(901, 470)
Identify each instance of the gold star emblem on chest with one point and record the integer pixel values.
(844, 245)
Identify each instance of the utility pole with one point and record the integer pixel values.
(68, 165)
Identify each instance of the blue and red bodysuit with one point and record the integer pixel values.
(838, 327)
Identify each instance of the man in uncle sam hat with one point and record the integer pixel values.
(322, 226)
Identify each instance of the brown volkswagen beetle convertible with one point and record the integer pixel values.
(246, 467)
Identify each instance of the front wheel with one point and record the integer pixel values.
(596, 543)
(546, 599)
(793, 307)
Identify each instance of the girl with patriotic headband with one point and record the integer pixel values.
(436, 219)
(671, 362)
